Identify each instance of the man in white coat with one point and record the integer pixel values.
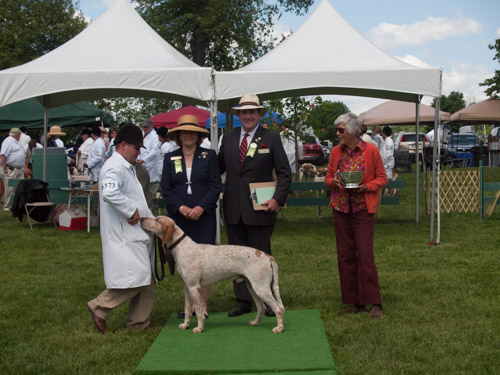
(150, 154)
(84, 151)
(97, 152)
(126, 248)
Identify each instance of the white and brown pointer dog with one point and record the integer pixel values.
(202, 265)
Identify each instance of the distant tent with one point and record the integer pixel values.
(169, 119)
(395, 112)
(221, 121)
(484, 112)
(29, 113)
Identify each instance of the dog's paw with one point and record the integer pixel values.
(184, 326)
(197, 330)
(254, 323)
(278, 329)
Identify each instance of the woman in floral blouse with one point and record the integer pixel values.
(354, 216)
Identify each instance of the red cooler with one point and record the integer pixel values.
(74, 219)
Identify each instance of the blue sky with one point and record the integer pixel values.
(451, 34)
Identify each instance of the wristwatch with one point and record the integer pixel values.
(181, 208)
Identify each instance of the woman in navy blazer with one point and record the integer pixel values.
(191, 184)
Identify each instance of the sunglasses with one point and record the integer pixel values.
(340, 130)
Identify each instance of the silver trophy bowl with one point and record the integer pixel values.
(351, 179)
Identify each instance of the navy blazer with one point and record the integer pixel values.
(269, 156)
(205, 181)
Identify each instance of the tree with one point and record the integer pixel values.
(493, 83)
(224, 34)
(323, 116)
(451, 103)
(296, 110)
(134, 110)
(31, 28)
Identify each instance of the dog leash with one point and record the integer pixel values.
(159, 249)
(165, 255)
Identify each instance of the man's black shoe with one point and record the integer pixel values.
(237, 311)
(269, 312)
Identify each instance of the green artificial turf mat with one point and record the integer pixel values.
(230, 346)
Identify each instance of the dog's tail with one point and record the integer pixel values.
(276, 284)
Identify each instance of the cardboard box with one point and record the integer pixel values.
(74, 219)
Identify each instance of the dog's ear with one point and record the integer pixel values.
(169, 232)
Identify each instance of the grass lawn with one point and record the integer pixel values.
(441, 302)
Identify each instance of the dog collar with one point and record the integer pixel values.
(171, 247)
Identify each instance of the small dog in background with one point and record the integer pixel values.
(308, 171)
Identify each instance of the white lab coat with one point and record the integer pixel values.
(150, 155)
(387, 153)
(84, 155)
(95, 159)
(127, 250)
(164, 149)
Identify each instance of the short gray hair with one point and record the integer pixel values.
(351, 121)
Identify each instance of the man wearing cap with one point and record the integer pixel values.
(83, 151)
(250, 155)
(126, 248)
(13, 165)
(97, 152)
(150, 154)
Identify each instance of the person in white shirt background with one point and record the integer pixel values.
(165, 148)
(13, 165)
(83, 152)
(25, 138)
(150, 154)
(96, 154)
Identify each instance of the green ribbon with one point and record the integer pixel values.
(178, 166)
(251, 149)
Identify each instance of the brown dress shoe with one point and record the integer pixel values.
(376, 312)
(99, 323)
(353, 310)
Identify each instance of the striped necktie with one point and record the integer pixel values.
(243, 148)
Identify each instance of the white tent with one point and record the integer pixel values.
(326, 55)
(119, 55)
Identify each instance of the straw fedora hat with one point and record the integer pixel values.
(249, 101)
(56, 130)
(188, 123)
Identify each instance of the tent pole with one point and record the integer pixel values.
(214, 139)
(417, 154)
(433, 190)
(45, 125)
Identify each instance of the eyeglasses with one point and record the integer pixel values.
(340, 130)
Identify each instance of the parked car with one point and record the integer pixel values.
(464, 142)
(327, 148)
(312, 151)
(406, 141)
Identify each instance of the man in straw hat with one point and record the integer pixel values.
(13, 163)
(126, 248)
(250, 154)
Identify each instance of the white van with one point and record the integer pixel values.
(467, 129)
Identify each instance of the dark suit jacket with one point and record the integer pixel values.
(259, 168)
(205, 186)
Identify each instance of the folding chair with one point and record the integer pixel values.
(32, 199)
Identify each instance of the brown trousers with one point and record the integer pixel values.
(141, 304)
(356, 261)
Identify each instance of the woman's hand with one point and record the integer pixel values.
(337, 182)
(193, 213)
